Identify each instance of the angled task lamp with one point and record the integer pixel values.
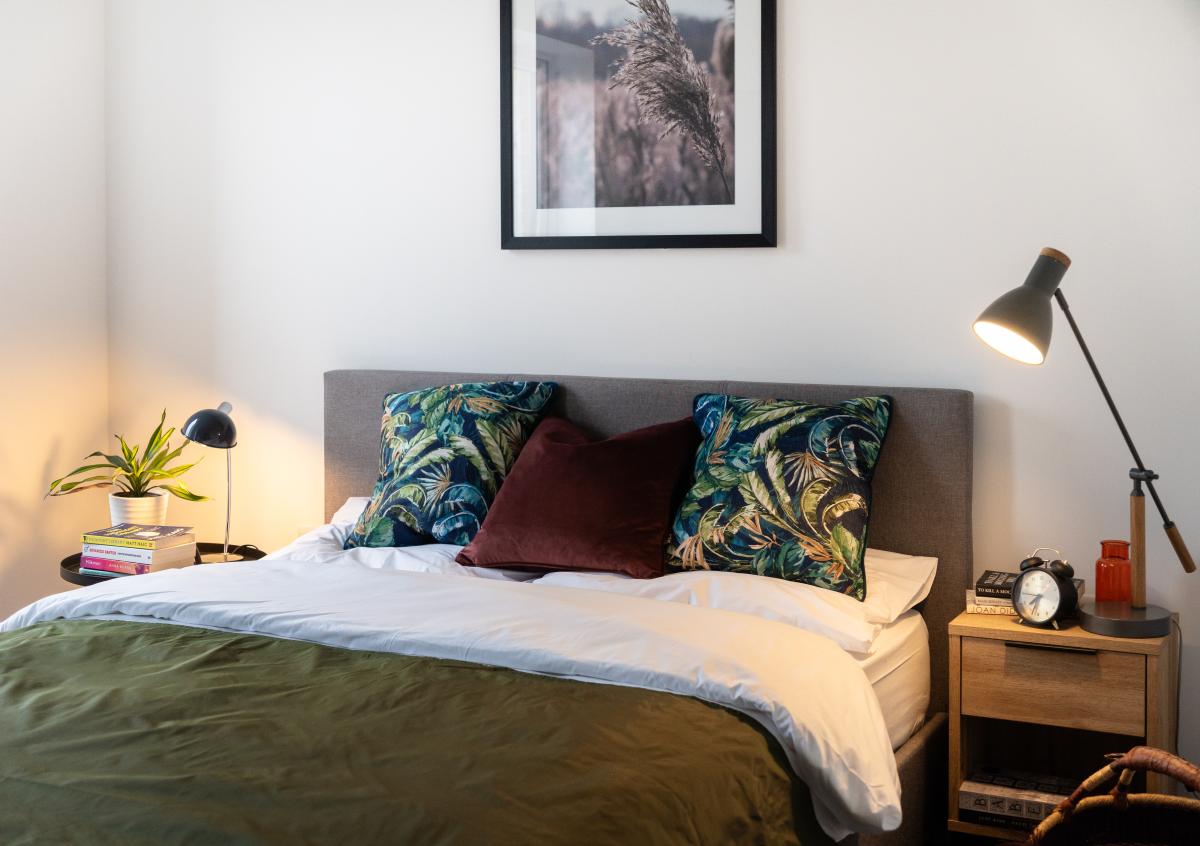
(1019, 325)
(213, 427)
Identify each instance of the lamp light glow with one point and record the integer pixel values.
(1008, 342)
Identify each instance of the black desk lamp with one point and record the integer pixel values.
(213, 427)
(1019, 326)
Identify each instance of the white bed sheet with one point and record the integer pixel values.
(898, 670)
(897, 667)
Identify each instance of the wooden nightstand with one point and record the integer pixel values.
(1053, 702)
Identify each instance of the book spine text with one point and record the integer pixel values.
(130, 568)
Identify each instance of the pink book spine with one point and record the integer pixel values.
(129, 567)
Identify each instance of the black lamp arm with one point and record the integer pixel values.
(1181, 550)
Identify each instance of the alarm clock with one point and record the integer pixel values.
(1044, 592)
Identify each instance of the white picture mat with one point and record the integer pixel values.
(742, 217)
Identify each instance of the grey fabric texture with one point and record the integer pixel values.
(921, 503)
(922, 765)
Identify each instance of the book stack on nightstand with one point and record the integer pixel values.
(131, 550)
(992, 593)
(1045, 706)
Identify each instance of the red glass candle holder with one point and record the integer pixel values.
(1114, 578)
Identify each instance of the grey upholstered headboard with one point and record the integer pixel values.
(921, 492)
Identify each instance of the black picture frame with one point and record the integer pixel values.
(768, 237)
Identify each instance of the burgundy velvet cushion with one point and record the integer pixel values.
(570, 503)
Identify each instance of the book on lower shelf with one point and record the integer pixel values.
(1010, 799)
(996, 820)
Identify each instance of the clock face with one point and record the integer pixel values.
(1037, 598)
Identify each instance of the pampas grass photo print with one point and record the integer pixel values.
(637, 123)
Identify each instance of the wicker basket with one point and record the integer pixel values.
(1121, 819)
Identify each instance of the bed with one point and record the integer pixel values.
(292, 701)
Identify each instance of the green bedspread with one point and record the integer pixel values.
(131, 733)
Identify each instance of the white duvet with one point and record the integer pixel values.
(801, 686)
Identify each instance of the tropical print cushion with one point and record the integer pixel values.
(783, 489)
(442, 456)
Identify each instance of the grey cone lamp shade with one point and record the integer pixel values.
(1020, 323)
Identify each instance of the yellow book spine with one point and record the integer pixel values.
(130, 542)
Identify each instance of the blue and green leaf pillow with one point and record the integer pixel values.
(782, 488)
(443, 453)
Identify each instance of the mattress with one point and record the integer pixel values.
(898, 670)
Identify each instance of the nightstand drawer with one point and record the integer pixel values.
(1025, 682)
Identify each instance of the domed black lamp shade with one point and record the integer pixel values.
(213, 427)
(1019, 325)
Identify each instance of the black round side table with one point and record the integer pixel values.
(68, 569)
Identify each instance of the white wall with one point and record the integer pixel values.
(53, 324)
(299, 186)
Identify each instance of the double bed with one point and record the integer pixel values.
(395, 696)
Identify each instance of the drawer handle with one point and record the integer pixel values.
(1046, 647)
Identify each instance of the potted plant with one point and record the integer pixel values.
(143, 478)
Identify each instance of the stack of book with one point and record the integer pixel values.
(977, 604)
(130, 550)
(993, 593)
(1011, 799)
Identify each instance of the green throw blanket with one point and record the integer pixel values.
(130, 733)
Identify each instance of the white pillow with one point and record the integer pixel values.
(324, 545)
(350, 511)
(895, 583)
(771, 599)
(904, 582)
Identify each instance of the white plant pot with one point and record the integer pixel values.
(144, 510)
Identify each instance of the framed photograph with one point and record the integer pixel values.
(637, 123)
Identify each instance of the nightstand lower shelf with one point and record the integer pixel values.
(960, 827)
(1052, 703)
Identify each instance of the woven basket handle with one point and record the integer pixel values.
(1144, 759)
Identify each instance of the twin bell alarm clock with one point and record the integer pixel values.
(1044, 592)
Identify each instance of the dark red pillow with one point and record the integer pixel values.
(570, 503)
